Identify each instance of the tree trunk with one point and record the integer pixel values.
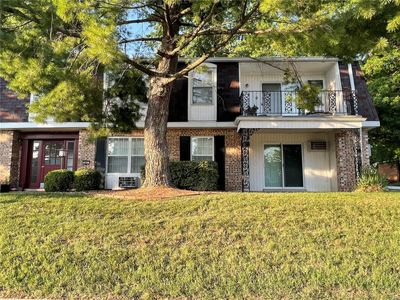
(155, 131)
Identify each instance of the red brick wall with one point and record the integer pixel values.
(233, 167)
(10, 156)
(391, 172)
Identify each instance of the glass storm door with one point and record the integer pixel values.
(273, 165)
(34, 166)
(272, 103)
(292, 166)
(52, 157)
(283, 166)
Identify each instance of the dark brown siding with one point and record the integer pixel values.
(178, 105)
(228, 91)
(12, 109)
(366, 106)
(228, 103)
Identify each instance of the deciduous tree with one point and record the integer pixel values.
(58, 48)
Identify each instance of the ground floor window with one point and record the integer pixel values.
(283, 166)
(202, 148)
(125, 154)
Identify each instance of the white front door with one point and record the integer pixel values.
(288, 99)
(272, 99)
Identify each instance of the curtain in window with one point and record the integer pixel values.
(273, 165)
(202, 148)
(202, 87)
(137, 155)
(118, 155)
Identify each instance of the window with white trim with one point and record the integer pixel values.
(137, 155)
(202, 148)
(125, 155)
(203, 84)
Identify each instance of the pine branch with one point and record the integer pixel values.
(194, 33)
(137, 21)
(142, 39)
(221, 44)
(143, 68)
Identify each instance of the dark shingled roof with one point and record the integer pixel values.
(12, 109)
(366, 106)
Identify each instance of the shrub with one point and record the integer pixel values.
(193, 175)
(307, 98)
(87, 179)
(371, 181)
(58, 181)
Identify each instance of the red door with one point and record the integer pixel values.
(42, 153)
(52, 157)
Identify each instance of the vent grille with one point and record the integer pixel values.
(318, 146)
(128, 182)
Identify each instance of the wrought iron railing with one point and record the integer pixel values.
(331, 102)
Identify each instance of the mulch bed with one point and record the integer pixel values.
(149, 193)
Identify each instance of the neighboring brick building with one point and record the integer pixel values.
(238, 112)
(390, 171)
(12, 109)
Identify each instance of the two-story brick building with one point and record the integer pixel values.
(239, 112)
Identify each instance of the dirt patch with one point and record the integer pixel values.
(149, 193)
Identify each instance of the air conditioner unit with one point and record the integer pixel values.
(128, 182)
(318, 145)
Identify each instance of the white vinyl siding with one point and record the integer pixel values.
(319, 167)
(202, 148)
(253, 75)
(202, 93)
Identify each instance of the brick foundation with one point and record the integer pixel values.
(345, 160)
(10, 156)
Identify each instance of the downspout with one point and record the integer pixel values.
(351, 76)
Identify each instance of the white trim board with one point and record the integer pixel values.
(84, 125)
(371, 124)
(271, 58)
(38, 126)
(343, 122)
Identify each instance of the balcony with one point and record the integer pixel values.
(282, 103)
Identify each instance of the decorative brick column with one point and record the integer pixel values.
(10, 156)
(365, 149)
(86, 150)
(347, 159)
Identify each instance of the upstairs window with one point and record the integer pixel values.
(203, 85)
(202, 148)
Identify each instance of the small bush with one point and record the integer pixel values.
(193, 175)
(371, 181)
(87, 179)
(58, 181)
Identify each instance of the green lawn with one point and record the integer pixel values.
(231, 245)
